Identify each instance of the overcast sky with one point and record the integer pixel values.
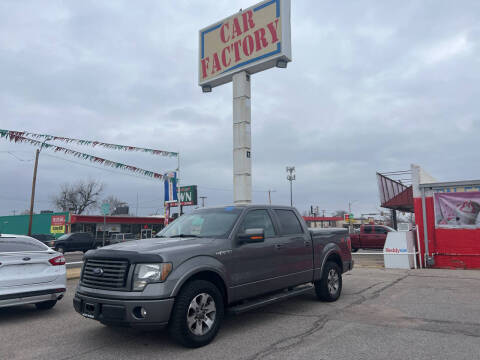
(373, 86)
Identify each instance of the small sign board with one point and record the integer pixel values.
(57, 224)
(105, 208)
(188, 196)
(254, 39)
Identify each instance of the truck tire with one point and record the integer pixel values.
(46, 305)
(197, 314)
(329, 287)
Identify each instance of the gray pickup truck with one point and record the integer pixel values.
(212, 261)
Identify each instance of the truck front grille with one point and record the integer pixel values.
(105, 274)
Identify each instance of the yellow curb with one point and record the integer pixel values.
(369, 266)
(73, 273)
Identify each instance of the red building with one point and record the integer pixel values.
(447, 217)
(146, 225)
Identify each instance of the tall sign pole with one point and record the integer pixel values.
(252, 40)
(242, 140)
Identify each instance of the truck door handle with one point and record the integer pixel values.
(279, 246)
(307, 243)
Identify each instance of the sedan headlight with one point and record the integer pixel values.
(150, 273)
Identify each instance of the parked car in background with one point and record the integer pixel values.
(233, 258)
(120, 237)
(80, 241)
(370, 237)
(30, 273)
(44, 238)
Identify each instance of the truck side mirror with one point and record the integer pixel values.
(252, 236)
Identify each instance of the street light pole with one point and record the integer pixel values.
(270, 196)
(34, 180)
(291, 177)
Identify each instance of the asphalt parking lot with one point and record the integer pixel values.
(394, 314)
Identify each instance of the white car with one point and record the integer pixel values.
(30, 273)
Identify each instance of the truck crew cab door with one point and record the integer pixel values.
(367, 239)
(295, 250)
(380, 236)
(255, 265)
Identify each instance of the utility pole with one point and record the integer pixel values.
(34, 180)
(136, 210)
(203, 200)
(270, 196)
(291, 177)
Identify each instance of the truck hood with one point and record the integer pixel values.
(158, 246)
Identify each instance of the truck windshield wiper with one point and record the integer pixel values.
(184, 235)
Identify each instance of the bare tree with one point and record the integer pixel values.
(78, 197)
(114, 203)
(340, 213)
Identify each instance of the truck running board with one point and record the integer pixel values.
(270, 299)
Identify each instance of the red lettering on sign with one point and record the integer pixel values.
(273, 27)
(237, 31)
(222, 33)
(205, 63)
(248, 20)
(216, 64)
(226, 63)
(260, 40)
(248, 46)
(236, 46)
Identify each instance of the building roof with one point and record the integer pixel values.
(82, 219)
(323, 218)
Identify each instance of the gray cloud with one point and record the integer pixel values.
(373, 86)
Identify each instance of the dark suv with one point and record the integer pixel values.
(80, 241)
(47, 239)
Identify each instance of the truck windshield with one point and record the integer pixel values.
(215, 223)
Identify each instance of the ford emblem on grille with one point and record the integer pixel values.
(98, 271)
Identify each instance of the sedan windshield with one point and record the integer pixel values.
(215, 223)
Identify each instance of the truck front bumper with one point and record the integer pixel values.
(137, 313)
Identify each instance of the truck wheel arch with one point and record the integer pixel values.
(207, 275)
(333, 256)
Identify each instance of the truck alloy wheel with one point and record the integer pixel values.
(197, 314)
(333, 282)
(201, 314)
(329, 287)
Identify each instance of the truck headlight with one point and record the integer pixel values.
(150, 273)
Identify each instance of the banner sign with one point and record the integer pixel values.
(170, 184)
(57, 224)
(17, 137)
(253, 39)
(457, 210)
(188, 195)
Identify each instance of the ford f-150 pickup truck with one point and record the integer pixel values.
(208, 262)
(370, 237)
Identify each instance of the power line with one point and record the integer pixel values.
(16, 157)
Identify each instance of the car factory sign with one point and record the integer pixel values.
(254, 39)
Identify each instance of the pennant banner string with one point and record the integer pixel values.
(17, 138)
(90, 143)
